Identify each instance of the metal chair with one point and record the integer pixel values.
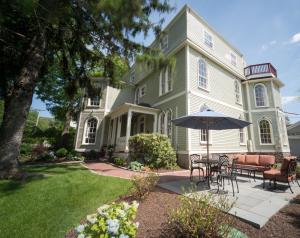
(195, 164)
(217, 168)
(228, 171)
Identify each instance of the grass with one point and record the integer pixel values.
(54, 200)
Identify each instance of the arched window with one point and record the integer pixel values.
(260, 95)
(237, 91)
(162, 123)
(90, 131)
(202, 70)
(169, 123)
(265, 132)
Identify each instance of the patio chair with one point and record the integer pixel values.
(218, 168)
(286, 174)
(228, 171)
(195, 164)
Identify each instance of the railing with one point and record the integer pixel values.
(260, 69)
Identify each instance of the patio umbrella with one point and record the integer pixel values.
(210, 120)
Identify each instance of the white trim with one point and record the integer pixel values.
(93, 106)
(187, 88)
(237, 83)
(84, 130)
(205, 32)
(169, 98)
(106, 99)
(271, 131)
(266, 98)
(214, 100)
(77, 130)
(207, 75)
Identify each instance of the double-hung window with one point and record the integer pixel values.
(208, 40)
(202, 74)
(165, 81)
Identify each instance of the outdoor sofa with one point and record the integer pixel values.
(259, 163)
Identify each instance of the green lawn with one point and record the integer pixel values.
(53, 201)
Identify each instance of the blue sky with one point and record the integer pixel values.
(263, 30)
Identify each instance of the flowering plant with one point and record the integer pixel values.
(111, 221)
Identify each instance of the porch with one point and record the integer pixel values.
(128, 120)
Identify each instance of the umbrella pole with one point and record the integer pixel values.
(207, 144)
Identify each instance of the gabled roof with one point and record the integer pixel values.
(293, 125)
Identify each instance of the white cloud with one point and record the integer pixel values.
(289, 99)
(295, 38)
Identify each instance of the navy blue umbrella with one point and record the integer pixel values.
(210, 120)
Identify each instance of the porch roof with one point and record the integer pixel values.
(125, 107)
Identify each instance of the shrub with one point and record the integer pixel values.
(202, 215)
(154, 149)
(136, 166)
(38, 149)
(26, 149)
(121, 161)
(115, 220)
(62, 152)
(142, 185)
(46, 157)
(110, 151)
(91, 155)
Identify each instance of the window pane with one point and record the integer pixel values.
(208, 39)
(90, 133)
(203, 135)
(237, 92)
(265, 132)
(260, 95)
(202, 81)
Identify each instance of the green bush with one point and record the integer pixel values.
(92, 155)
(46, 157)
(154, 150)
(25, 149)
(136, 166)
(202, 215)
(142, 185)
(62, 152)
(115, 220)
(120, 161)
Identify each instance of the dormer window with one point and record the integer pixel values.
(164, 43)
(208, 40)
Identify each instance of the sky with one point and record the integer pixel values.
(263, 30)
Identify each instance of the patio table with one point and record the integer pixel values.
(208, 165)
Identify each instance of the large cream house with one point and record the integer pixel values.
(209, 72)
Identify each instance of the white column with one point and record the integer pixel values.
(128, 129)
(155, 123)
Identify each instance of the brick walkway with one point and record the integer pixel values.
(106, 169)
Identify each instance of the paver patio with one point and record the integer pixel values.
(253, 204)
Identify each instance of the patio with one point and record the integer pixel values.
(253, 204)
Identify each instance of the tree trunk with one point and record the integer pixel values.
(16, 108)
(65, 135)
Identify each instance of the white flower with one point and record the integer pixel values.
(80, 228)
(81, 236)
(101, 210)
(126, 205)
(137, 224)
(135, 204)
(92, 218)
(123, 236)
(113, 226)
(120, 213)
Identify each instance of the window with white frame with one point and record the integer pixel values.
(169, 123)
(142, 91)
(233, 59)
(203, 136)
(265, 132)
(90, 131)
(202, 74)
(94, 101)
(164, 43)
(260, 95)
(165, 81)
(208, 40)
(237, 91)
(242, 133)
(161, 120)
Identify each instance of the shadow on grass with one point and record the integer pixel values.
(35, 173)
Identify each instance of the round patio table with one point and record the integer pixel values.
(208, 165)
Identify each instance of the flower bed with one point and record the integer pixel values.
(115, 220)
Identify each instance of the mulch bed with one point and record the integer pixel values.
(152, 216)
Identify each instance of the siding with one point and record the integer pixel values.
(222, 141)
(220, 81)
(220, 50)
